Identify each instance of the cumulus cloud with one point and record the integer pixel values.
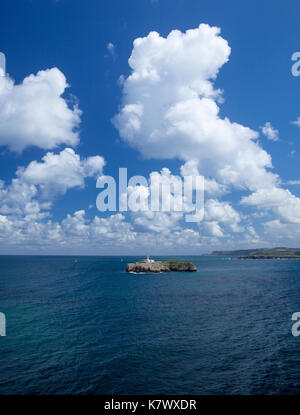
(19, 199)
(219, 216)
(30, 194)
(282, 202)
(211, 187)
(25, 208)
(59, 172)
(156, 221)
(211, 229)
(27, 226)
(222, 212)
(162, 201)
(76, 233)
(270, 132)
(34, 113)
(282, 233)
(220, 219)
(170, 108)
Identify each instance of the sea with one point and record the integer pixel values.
(82, 325)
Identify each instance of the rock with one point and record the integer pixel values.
(160, 266)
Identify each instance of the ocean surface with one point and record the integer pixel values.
(82, 325)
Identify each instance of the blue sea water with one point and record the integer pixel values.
(82, 325)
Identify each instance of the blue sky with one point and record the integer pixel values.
(49, 210)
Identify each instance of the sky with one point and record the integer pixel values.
(166, 89)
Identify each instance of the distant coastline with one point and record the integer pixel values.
(261, 253)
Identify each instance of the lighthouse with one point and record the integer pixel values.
(149, 260)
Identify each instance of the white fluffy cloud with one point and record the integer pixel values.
(59, 172)
(34, 113)
(270, 132)
(211, 229)
(156, 221)
(30, 194)
(282, 234)
(211, 187)
(222, 212)
(19, 199)
(78, 234)
(170, 108)
(219, 216)
(220, 219)
(282, 202)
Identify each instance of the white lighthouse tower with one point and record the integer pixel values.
(149, 260)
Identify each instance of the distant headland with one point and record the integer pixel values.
(262, 253)
(149, 265)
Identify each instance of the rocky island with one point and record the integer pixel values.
(149, 265)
